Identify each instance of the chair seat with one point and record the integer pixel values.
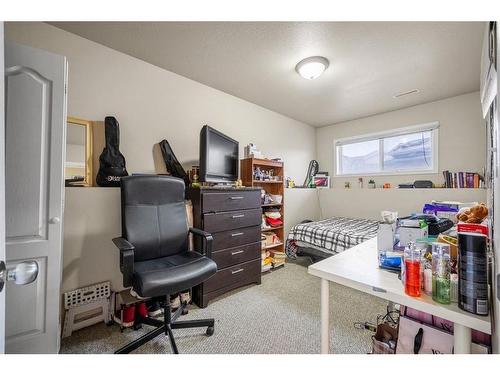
(171, 274)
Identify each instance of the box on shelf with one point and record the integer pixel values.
(279, 258)
(411, 230)
(271, 238)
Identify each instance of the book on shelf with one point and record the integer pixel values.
(463, 180)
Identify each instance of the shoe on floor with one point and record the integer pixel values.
(185, 297)
(175, 302)
(154, 308)
(142, 309)
(128, 317)
(134, 294)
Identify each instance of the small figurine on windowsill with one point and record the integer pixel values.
(371, 184)
(360, 182)
(347, 185)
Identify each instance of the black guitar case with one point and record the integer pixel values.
(111, 162)
(172, 164)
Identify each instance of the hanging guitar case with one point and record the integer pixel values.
(172, 164)
(111, 161)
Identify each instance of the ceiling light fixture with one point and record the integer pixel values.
(414, 91)
(312, 67)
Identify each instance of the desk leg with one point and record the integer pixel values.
(462, 339)
(325, 316)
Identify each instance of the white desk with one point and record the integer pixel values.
(358, 268)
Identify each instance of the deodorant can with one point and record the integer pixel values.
(472, 273)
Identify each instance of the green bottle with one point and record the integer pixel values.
(441, 273)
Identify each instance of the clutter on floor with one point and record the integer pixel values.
(268, 308)
(86, 306)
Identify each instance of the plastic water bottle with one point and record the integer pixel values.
(412, 270)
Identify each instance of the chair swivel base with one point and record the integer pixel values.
(166, 326)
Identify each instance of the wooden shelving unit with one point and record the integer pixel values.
(271, 187)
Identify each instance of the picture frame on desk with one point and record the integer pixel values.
(322, 182)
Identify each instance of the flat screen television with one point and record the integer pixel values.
(219, 156)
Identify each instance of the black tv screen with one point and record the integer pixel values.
(219, 156)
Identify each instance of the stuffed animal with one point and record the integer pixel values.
(474, 214)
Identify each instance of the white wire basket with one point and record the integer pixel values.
(88, 294)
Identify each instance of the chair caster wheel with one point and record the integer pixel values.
(110, 323)
(137, 327)
(185, 312)
(210, 331)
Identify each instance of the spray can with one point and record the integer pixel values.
(472, 273)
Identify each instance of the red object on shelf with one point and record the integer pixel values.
(412, 277)
(472, 228)
(274, 222)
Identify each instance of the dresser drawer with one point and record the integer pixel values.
(221, 221)
(235, 237)
(231, 200)
(235, 255)
(233, 275)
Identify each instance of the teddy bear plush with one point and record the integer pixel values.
(475, 214)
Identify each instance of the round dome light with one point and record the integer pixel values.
(312, 67)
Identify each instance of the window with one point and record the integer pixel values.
(407, 150)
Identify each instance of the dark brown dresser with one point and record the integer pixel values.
(233, 217)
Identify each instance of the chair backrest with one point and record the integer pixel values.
(154, 215)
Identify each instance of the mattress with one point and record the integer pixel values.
(331, 236)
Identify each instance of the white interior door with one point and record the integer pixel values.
(35, 106)
(2, 195)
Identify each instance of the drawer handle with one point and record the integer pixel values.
(235, 198)
(236, 234)
(237, 252)
(238, 216)
(237, 271)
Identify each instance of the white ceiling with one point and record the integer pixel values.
(370, 62)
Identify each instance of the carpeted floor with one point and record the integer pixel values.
(282, 315)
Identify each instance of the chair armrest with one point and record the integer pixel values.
(126, 259)
(207, 240)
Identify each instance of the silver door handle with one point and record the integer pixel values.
(237, 271)
(237, 252)
(2, 274)
(238, 216)
(233, 198)
(22, 273)
(236, 234)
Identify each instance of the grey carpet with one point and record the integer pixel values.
(282, 315)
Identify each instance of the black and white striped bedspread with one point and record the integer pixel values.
(333, 235)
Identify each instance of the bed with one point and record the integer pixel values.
(324, 238)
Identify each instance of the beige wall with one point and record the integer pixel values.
(151, 104)
(462, 137)
(462, 147)
(368, 203)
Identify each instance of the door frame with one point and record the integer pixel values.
(2, 184)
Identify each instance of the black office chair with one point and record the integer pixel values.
(154, 256)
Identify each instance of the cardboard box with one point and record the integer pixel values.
(411, 234)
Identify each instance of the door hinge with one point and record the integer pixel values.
(498, 286)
